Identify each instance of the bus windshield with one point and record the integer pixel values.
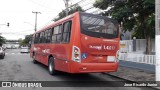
(98, 26)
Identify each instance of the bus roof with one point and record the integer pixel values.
(63, 19)
(57, 22)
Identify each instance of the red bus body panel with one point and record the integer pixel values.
(96, 60)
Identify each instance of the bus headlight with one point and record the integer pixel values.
(76, 55)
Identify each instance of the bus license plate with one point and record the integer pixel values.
(111, 59)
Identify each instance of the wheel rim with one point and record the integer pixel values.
(51, 66)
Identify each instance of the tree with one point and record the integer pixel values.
(72, 9)
(2, 40)
(26, 41)
(137, 15)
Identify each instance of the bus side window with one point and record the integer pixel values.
(66, 31)
(49, 35)
(46, 33)
(36, 40)
(59, 35)
(42, 37)
(53, 35)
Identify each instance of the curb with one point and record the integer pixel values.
(157, 88)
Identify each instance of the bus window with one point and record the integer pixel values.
(49, 36)
(53, 36)
(36, 40)
(98, 26)
(59, 35)
(66, 31)
(42, 37)
(46, 36)
(56, 30)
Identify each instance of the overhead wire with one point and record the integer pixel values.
(78, 3)
(42, 5)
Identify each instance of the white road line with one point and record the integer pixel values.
(17, 53)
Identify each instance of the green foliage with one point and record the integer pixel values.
(2, 40)
(71, 11)
(135, 15)
(26, 41)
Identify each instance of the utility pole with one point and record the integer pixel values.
(157, 41)
(66, 5)
(36, 19)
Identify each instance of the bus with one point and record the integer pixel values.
(79, 43)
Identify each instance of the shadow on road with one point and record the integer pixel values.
(73, 77)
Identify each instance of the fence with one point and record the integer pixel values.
(126, 46)
(139, 58)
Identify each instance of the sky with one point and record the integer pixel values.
(19, 14)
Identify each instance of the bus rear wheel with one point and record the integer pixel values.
(51, 66)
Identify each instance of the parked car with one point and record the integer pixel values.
(2, 53)
(24, 50)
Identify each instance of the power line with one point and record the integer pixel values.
(42, 5)
(82, 1)
(71, 6)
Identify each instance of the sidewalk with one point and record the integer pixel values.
(133, 74)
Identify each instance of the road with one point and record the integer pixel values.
(19, 67)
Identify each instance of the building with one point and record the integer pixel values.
(11, 44)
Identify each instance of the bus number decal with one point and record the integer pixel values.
(102, 47)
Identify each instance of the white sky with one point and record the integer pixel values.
(19, 14)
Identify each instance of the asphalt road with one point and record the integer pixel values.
(19, 67)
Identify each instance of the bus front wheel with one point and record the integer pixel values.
(51, 66)
(34, 60)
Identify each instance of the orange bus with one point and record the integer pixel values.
(78, 43)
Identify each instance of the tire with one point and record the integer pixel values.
(2, 57)
(34, 60)
(51, 66)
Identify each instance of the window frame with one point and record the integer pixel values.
(55, 33)
(42, 37)
(67, 31)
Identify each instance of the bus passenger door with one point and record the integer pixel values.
(46, 49)
(41, 46)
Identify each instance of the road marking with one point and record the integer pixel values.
(16, 53)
